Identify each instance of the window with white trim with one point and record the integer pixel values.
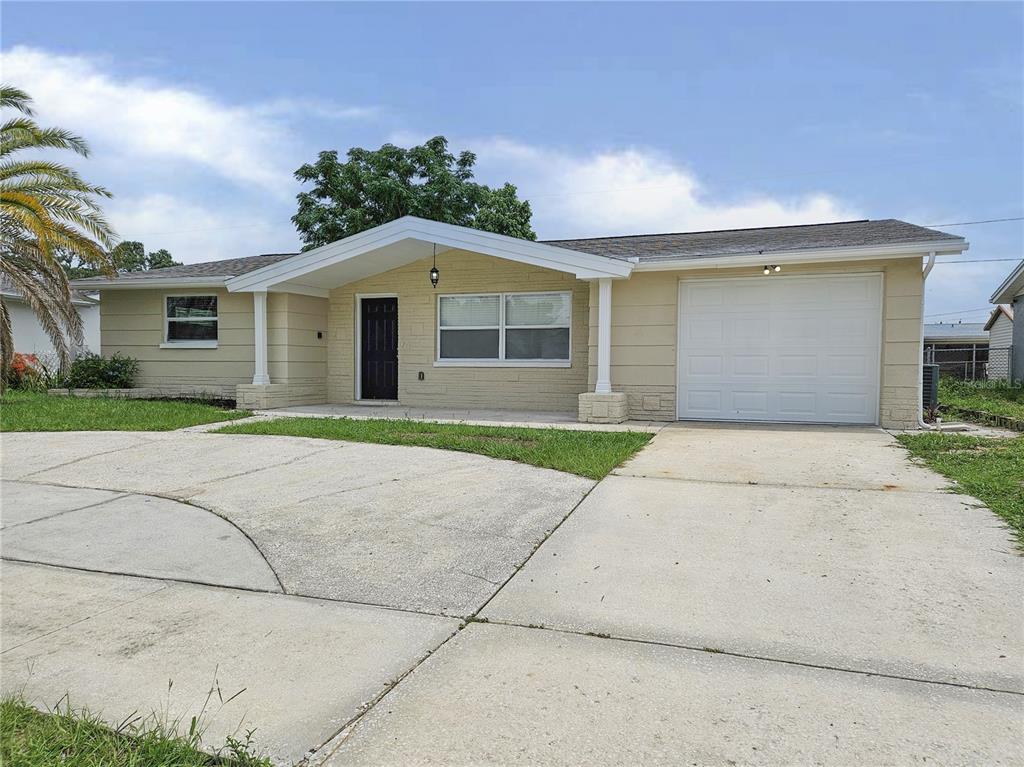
(190, 320)
(505, 327)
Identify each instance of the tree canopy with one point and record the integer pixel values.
(126, 256)
(373, 187)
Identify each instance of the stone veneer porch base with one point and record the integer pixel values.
(603, 408)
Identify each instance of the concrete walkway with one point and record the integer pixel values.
(476, 417)
(748, 595)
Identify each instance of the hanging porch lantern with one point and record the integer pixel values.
(435, 275)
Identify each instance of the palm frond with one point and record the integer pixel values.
(15, 98)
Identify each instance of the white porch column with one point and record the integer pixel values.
(259, 304)
(604, 336)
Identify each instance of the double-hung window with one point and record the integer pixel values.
(190, 321)
(505, 328)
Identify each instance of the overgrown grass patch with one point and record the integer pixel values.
(992, 470)
(588, 453)
(995, 397)
(31, 738)
(37, 411)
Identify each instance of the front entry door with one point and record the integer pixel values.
(379, 348)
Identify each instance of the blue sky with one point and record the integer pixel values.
(611, 118)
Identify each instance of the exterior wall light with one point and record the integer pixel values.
(769, 268)
(434, 274)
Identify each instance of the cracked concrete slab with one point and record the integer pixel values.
(407, 527)
(178, 464)
(779, 454)
(142, 535)
(516, 696)
(26, 453)
(305, 667)
(916, 584)
(37, 600)
(22, 502)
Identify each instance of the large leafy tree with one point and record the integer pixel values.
(47, 212)
(127, 256)
(373, 187)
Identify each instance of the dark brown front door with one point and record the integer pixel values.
(379, 352)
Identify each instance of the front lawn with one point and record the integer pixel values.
(36, 411)
(994, 397)
(991, 470)
(588, 453)
(29, 738)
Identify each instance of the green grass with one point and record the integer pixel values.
(588, 453)
(30, 738)
(36, 411)
(995, 397)
(991, 470)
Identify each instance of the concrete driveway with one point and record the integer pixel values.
(747, 595)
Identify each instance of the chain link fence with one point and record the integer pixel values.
(971, 363)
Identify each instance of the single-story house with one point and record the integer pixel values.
(816, 323)
(959, 348)
(1011, 292)
(29, 335)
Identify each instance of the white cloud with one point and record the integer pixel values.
(632, 190)
(143, 120)
(194, 233)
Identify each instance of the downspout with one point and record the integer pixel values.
(920, 377)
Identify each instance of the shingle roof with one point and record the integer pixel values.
(649, 247)
(954, 330)
(78, 297)
(773, 239)
(229, 267)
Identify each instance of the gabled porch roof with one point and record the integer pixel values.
(409, 239)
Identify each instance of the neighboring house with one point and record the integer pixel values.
(29, 336)
(1000, 342)
(960, 349)
(1011, 292)
(816, 323)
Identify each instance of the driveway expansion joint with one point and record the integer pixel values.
(167, 497)
(782, 485)
(746, 656)
(66, 511)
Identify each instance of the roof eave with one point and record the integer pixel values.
(1012, 285)
(90, 283)
(823, 255)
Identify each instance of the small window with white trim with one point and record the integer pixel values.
(190, 320)
(517, 328)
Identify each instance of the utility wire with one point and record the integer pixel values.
(984, 221)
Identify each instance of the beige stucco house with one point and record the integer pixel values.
(817, 323)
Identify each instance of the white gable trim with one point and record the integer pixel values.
(1011, 287)
(824, 255)
(583, 265)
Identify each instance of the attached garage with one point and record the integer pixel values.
(775, 348)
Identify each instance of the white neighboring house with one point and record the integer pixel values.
(1012, 292)
(29, 335)
(1000, 341)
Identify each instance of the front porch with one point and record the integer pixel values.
(476, 417)
(515, 330)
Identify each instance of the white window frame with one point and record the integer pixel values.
(168, 344)
(500, 362)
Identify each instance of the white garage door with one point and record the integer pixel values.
(776, 348)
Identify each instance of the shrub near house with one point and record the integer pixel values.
(91, 371)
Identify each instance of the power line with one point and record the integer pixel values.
(961, 311)
(983, 221)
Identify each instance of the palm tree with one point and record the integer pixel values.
(46, 210)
